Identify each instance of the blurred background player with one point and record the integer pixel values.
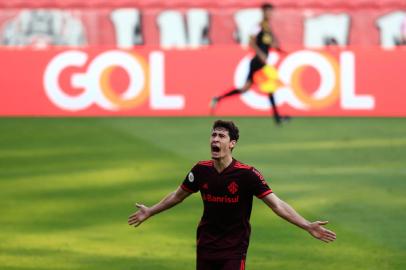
(261, 40)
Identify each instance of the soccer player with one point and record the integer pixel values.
(261, 40)
(227, 187)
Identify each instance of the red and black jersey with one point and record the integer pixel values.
(224, 229)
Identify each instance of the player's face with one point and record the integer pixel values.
(220, 143)
(267, 13)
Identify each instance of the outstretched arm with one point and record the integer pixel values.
(145, 212)
(276, 45)
(285, 211)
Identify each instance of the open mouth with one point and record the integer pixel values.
(215, 149)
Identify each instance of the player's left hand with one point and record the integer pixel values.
(317, 230)
(281, 51)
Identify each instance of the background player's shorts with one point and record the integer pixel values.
(226, 264)
(267, 79)
(255, 65)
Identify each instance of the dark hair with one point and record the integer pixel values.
(266, 6)
(232, 129)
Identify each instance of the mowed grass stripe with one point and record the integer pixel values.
(329, 145)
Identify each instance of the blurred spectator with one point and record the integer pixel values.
(330, 41)
(44, 27)
(403, 32)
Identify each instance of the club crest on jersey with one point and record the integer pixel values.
(233, 188)
(191, 177)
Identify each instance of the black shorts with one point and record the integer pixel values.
(255, 65)
(223, 264)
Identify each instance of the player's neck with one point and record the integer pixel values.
(222, 163)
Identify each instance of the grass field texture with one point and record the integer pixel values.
(67, 187)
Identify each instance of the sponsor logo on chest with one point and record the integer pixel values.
(231, 188)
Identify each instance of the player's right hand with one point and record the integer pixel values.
(140, 216)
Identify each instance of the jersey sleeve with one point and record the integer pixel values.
(259, 186)
(190, 184)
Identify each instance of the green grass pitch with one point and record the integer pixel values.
(67, 187)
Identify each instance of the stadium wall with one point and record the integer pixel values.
(176, 23)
